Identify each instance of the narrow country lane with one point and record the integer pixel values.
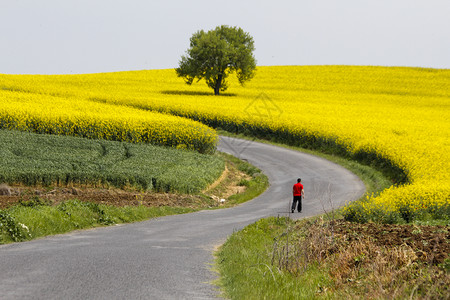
(168, 257)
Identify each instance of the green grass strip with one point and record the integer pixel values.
(35, 218)
(244, 263)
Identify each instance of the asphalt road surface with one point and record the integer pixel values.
(168, 257)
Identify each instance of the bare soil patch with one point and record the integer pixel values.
(110, 196)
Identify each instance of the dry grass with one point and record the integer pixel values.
(361, 267)
(228, 184)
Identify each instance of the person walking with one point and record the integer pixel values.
(298, 192)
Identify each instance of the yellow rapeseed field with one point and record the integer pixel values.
(394, 114)
(29, 110)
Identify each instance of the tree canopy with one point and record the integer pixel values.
(215, 54)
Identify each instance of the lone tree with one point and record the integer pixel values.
(215, 54)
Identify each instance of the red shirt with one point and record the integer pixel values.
(298, 187)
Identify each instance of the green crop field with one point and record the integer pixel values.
(40, 159)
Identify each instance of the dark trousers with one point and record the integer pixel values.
(294, 202)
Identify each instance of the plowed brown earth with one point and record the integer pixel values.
(430, 243)
(115, 197)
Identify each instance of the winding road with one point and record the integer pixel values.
(168, 257)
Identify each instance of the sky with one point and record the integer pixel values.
(93, 36)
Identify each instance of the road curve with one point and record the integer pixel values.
(168, 257)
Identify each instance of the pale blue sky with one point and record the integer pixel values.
(89, 36)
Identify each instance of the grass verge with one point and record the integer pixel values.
(278, 258)
(36, 218)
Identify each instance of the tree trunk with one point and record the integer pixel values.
(218, 85)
